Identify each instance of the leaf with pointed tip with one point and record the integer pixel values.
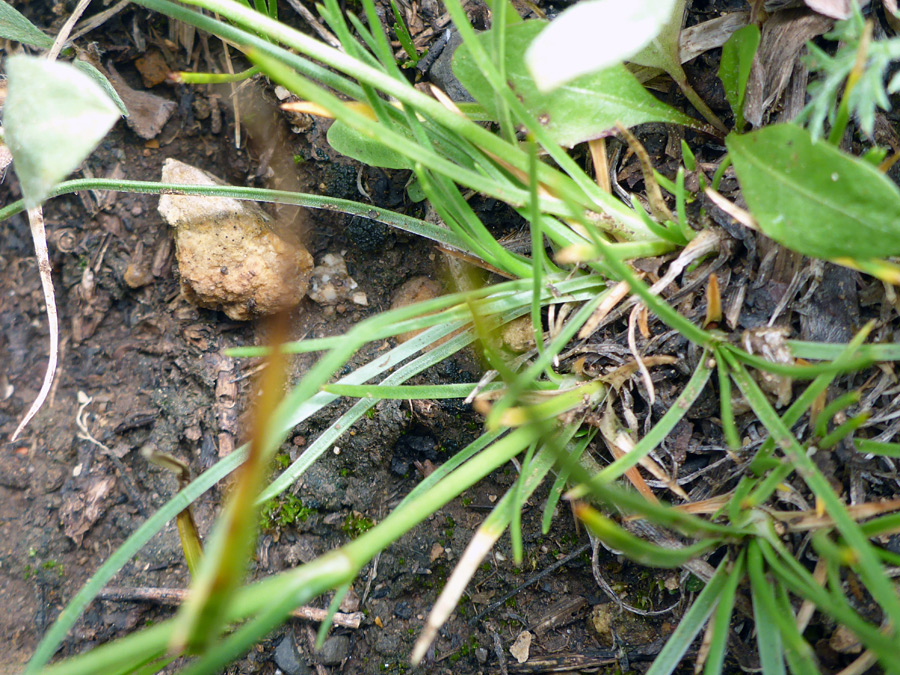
(811, 197)
(54, 116)
(104, 83)
(354, 144)
(14, 26)
(594, 35)
(734, 68)
(588, 107)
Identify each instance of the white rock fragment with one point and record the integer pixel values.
(521, 647)
(228, 256)
(331, 284)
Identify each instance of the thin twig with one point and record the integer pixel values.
(621, 604)
(537, 577)
(498, 650)
(63, 34)
(176, 596)
(99, 19)
(310, 18)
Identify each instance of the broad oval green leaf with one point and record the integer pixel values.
(14, 26)
(54, 116)
(594, 35)
(811, 197)
(584, 109)
(351, 143)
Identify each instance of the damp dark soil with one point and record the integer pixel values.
(141, 368)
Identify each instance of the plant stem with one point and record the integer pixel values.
(697, 101)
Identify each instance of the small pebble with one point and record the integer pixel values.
(335, 650)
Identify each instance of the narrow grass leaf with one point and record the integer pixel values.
(826, 350)
(877, 447)
(398, 220)
(844, 401)
(768, 636)
(732, 437)
(691, 623)
(407, 392)
(636, 548)
(104, 83)
(814, 199)
(768, 607)
(562, 477)
(333, 607)
(722, 619)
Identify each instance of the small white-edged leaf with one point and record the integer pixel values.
(54, 116)
(14, 26)
(104, 83)
(594, 35)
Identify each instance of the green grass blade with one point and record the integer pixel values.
(732, 437)
(768, 637)
(415, 226)
(844, 430)
(406, 392)
(870, 567)
(691, 623)
(768, 608)
(828, 351)
(800, 372)
(333, 607)
(636, 548)
(515, 526)
(877, 447)
(559, 484)
(722, 620)
(830, 410)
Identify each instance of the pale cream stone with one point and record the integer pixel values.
(229, 258)
(518, 334)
